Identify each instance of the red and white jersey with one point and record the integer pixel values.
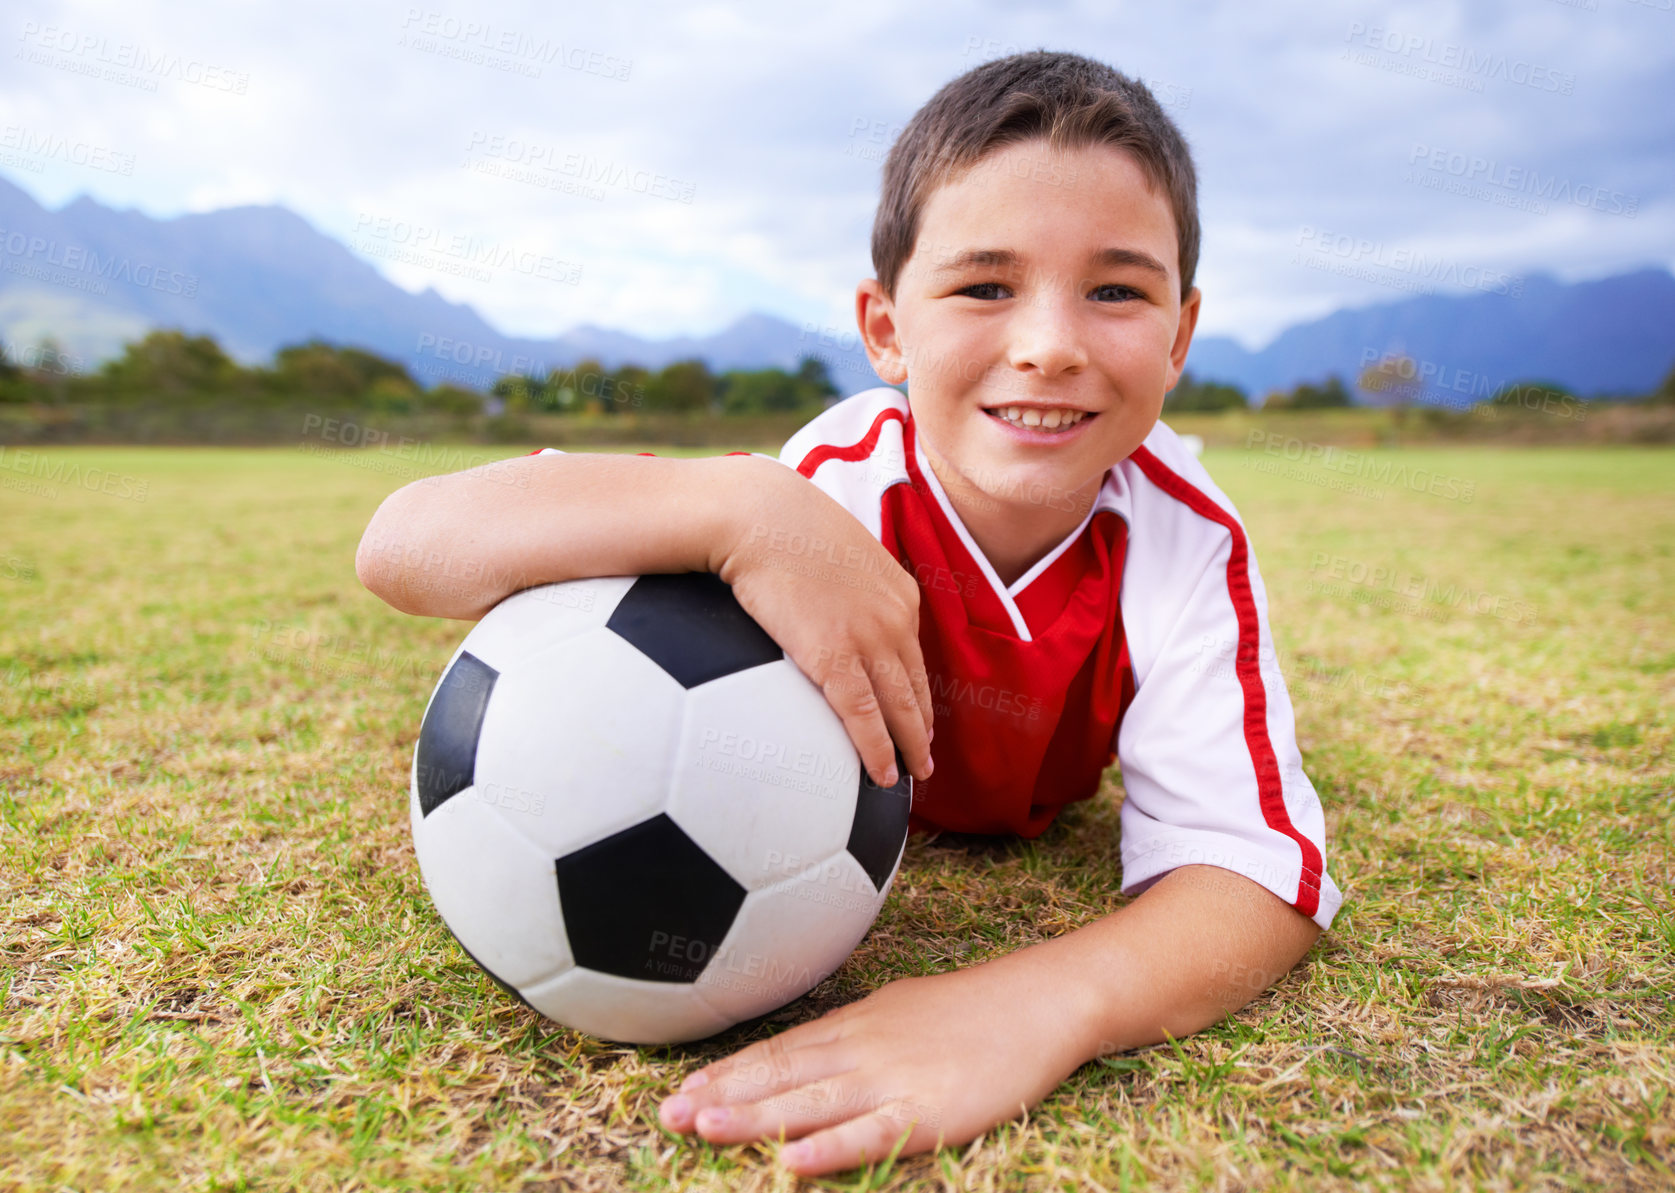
(1140, 639)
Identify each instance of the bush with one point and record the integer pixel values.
(1312, 397)
(774, 391)
(1548, 397)
(1210, 397)
(684, 387)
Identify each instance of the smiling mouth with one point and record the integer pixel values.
(1031, 419)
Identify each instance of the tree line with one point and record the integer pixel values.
(174, 369)
(1397, 381)
(683, 386)
(1193, 396)
(171, 369)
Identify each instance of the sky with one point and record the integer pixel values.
(681, 164)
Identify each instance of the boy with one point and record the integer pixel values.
(1020, 534)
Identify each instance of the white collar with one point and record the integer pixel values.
(1107, 499)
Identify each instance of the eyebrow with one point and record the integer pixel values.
(1007, 259)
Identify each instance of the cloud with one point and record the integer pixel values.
(702, 161)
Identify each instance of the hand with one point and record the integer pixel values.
(937, 1059)
(845, 611)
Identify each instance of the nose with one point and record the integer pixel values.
(1045, 334)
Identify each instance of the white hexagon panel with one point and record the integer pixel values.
(578, 738)
(764, 769)
(494, 889)
(617, 1008)
(787, 938)
(533, 619)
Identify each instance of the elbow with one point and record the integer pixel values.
(380, 557)
(369, 568)
(375, 571)
(401, 562)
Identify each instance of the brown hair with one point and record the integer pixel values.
(1069, 100)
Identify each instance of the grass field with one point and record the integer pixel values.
(222, 971)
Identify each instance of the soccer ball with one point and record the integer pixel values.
(639, 816)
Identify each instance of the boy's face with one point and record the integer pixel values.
(1048, 281)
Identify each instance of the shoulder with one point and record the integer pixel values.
(1178, 517)
(1168, 480)
(851, 430)
(554, 451)
(1188, 564)
(853, 451)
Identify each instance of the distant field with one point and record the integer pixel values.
(221, 970)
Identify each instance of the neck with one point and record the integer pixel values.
(1013, 535)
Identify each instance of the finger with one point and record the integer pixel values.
(789, 1113)
(905, 714)
(857, 704)
(782, 1062)
(915, 660)
(865, 1139)
(777, 1049)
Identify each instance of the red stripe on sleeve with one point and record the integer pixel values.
(1247, 666)
(854, 451)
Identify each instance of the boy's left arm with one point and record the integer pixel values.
(941, 1059)
(1211, 772)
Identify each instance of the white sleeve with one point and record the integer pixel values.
(553, 451)
(1212, 774)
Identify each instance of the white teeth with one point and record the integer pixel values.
(1050, 421)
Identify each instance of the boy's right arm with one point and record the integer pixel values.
(456, 545)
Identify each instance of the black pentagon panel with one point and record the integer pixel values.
(880, 829)
(447, 755)
(646, 903)
(493, 977)
(691, 625)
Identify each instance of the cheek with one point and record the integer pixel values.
(951, 353)
(1142, 360)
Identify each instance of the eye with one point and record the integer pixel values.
(1121, 293)
(982, 286)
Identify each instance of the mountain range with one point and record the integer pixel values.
(259, 277)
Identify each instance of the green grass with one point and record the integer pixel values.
(222, 971)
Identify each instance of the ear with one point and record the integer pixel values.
(1183, 336)
(875, 315)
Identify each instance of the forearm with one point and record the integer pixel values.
(455, 545)
(1196, 946)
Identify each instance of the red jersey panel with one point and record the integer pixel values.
(1024, 727)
